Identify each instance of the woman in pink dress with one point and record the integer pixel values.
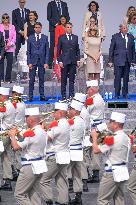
(9, 34)
(59, 30)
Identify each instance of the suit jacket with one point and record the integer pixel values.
(2, 45)
(68, 50)
(12, 37)
(34, 53)
(53, 15)
(118, 53)
(17, 20)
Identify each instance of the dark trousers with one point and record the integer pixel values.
(9, 57)
(121, 72)
(52, 45)
(32, 74)
(19, 41)
(68, 71)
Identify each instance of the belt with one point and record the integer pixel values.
(123, 163)
(34, 159)
(25, 162)
(50, 154)
(109, 170)
(76, 146)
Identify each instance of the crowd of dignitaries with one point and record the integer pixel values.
(69, 150)
(24, 37)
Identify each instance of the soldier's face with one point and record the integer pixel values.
(71, 113)
(90, 92)
(56, 115)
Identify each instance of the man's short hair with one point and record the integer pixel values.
(38, 24)
(69, 23)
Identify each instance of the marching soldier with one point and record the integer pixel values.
(77, 129)
(19, 105)
(95, 106)
(132, 180)
(58, 157)
(80, 97)
(32, 161)
(19, 122)
(116, 149)
(7, 117)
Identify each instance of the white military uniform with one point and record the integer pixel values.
(76, 138)
(28, 183)
(7, 120)
(116, 172)
(60, 135)
(96, 111)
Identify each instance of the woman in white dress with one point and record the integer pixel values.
(92, 48)
(93, 10)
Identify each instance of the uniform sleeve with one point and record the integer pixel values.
(104, 148)
(54, 132)
(27, 141)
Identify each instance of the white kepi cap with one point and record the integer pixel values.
(76, 105)
(118, 117)
(92, 83)
(32, 111)
(4, 91)
(61, 106)
(18, 89)
(80, 97)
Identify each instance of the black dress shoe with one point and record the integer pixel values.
(85, 186)
(125, 96)
(30, 99)
(116, 97)
(43, 99)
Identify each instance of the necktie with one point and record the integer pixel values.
(70, 37)
(94, 14)
(38, 41)
(59, 7)
(23, 18)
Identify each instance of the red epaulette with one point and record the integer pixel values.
(71, 121)
(53, 124)
(28, 133)
(109, 140)
(3, 109)
(14, 104)
(89, 101)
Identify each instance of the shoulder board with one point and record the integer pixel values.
(109, 140)
(53, 124)
(71, 121)
(89, 101)
(28, 133)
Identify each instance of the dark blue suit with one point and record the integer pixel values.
(19, 22)
(122, 58)
(53, 16)
(68, 53)
(37, 55)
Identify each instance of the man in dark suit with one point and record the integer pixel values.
(2, 49)
(37, 56)
(55, 9)
(19, 18)
(121, 54)
(68, 58)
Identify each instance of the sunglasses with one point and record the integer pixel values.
(5, 17)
